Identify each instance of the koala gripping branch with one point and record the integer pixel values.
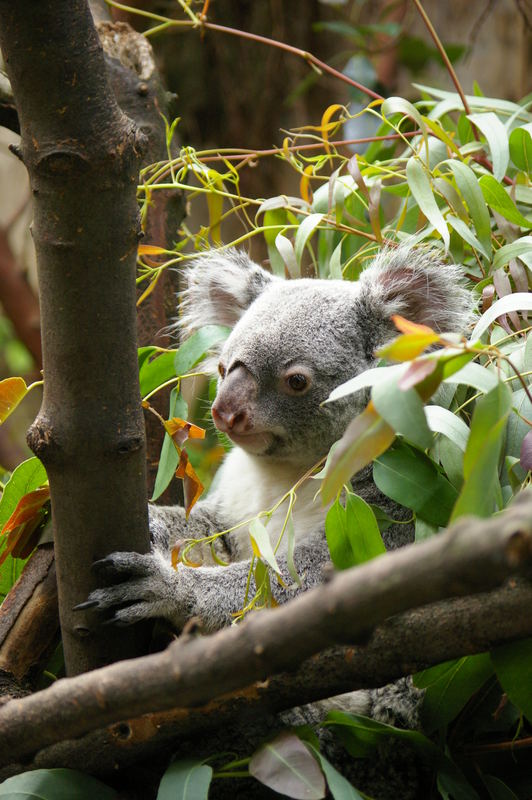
(82, 154)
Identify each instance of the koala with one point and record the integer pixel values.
(291, 343)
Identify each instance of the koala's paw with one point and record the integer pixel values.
(149, 587)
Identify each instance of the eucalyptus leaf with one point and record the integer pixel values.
(286, 766)
(185, 779)
(196, 347)
(55, 784)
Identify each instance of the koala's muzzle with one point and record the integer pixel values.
(235, 411)
(232, 410)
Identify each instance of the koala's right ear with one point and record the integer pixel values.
(221, 286)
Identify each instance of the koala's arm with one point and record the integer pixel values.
(151, 587)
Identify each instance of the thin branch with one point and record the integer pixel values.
(441, 49)
(473, 556)
(202, 24)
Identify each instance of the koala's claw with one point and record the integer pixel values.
(85, 605)
(147, 587)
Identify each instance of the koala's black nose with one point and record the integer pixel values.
(229, 420)
(232, 411)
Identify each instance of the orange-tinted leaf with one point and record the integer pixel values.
(150, 250)
(180, 430)
(27, 507)
(405, 326)
(21, 529)
(175, 555)
(408, 346)
(366, 437)
(192, 486)
(12, 390)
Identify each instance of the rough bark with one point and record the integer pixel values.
(29, 621)
(473, 556)
(137, 86)
(82, 154)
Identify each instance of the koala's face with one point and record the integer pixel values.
(291, 347)
(294, 341)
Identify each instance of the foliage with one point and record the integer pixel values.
(448, 429)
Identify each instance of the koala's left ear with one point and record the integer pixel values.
(418, 285)
(221, 286)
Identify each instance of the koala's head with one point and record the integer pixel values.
(293, 342)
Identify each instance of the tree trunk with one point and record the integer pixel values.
(82, 154)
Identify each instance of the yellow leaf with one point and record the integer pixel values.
(408, 346)
(304, 183)
(326, 126)
(12, 390)
(150, 250)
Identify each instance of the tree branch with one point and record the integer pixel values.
(473, 556)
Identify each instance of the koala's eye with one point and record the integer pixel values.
(297, 382)
(221, 370)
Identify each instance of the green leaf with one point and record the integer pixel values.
(261, 544)
(466, 181)
(497, 789)
(422, 191)
(366, 437)
(196, 347)
(518, 301)
(337, 538)
(55, 784)
(440, 420)
(499, 200)
(467, 234)
(339, 787)
(474, 375)
(513, 665)
(361, 735)
(286, 766)
(156, 372)
(352, 532)
(187, 779)
(481, 457)
(413, 480)
(398, 105)
(169, 457)
(449, 686)
(370, 377)
(497, 138)
(517, 249)
(305, 231)
(286, 251)
(521, 149)
(362, 529)
(27, 477)
(335, 263)
(403, 411)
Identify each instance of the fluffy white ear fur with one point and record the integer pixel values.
(220, 287)
(417, 284)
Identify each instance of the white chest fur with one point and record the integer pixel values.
(247, 485)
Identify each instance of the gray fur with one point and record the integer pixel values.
(327, 330)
